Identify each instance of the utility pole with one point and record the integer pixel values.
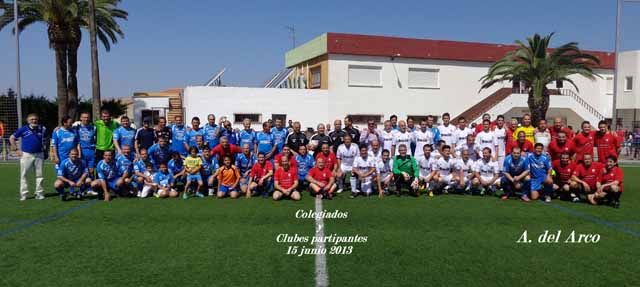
(18, 82)
(95, 67)
(292, 30)
(614, 114)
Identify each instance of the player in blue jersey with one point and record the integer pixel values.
(515, 175)
(159, 153)
(247, 135)
(72, 174)
(229, 132)
(305, 163)
(142, 178)
(163, 182)
(124, 164)
(124, 135)
(87, 138)
(194, 131)
(211, 131)
(107, 179)
(176, 166)
(540, 169)
(209, 168)
(179, 136)
(63, 140)
(266, 142)
(279, 135)
(244, 162)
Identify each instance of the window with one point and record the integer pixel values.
(420, 78)
(628, 83)
(363, 119)
(255, 118)
(365, 76)
(609, 85)
(151, 115)
(283, 117)
(315, 78)
(418, 119)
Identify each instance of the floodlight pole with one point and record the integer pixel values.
(18, 82)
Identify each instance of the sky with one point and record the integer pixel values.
(179, 43)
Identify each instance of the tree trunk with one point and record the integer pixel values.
(95, 69)
(61, 78)
(538, 102)
(72, 56)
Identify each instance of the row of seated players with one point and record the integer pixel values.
(532, 174)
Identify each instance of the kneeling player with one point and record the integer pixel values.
(426, 163)
(610, 187)
(176, 167)
(163, 182)
(384, 171)
(443, 171)
(540, 169)
(260, 177)
(464, 172)
(562, 182)
(515, 174)
(228, 179)
(124, 165)
(586, 176)
(364, 167)
(209, 168)
(486, 173)
(286, 182)
(107, 180)
(321, 180)
(142, 178)
(73, 174)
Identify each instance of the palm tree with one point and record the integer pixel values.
(537, 66)
(65, 20)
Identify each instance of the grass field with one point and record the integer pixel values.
(445, 241)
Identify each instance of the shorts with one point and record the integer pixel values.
(244, 181)
(226, 188)
(448, 178)
(194, 177)
(385, 177)
(488, 179)
(536, 184)
(112, 184)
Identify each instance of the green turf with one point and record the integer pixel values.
(444, 241)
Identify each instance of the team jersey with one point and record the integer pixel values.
(377, 155)
(266, 141)
(72, 170)
(322, 175)
(539, 166)
(528, 133)
(86, 136)
(515, 167)
(210, 133)
(422, 138)
(106, 171)
(402, 138)
(465, 167)
(227, 176)
(584, 144)
(175, 166)
(163, 179)
(305, 163)
(606, 145)
(556, 149)
(337, 137)
(384, 168)
(471, 149)
(554, 132)
(501, 140)
(209, 166)
(615, 174)
(363, 165)
(447, 134)
(443, 166)
(64, 141)
(543, 137)
(347, 155)
(387, 139)
(258, 171)
(158, 155)
(279, 137)
(104, 134)
(192, 134)
(124, 164)
(486, 139)
(293, 164)
(330, 160)
(425, 164)
(486, 169)
(563, 172)
(192, 162)
(178, 138)
(525, 146)
(125, 136)
(247, 137)
(318, 140)
(295, 140)
(354, 133)
(589, 174)
(140, 166)
(231, 135)
(285, 178)
(244, 162)
(461, 135)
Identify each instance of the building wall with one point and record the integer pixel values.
(630, 66)
(321, 62)
(148, 103)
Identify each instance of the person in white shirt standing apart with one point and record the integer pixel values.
(448, 131)
(31, 154)
(346, 154)
(487, 139)
(542, 134)
(423, 136)
(500, 133)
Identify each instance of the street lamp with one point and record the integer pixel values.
(18, 87)
(614, 114)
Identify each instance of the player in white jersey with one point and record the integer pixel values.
(402, 136)
(346, 154)
(470, 146)
(384, 170)
(364, 167)
(486, 139)
(500, 133)
(448, 131)
(376, 150)
(464, 172)
(443, 169)
(425, 164)
(542, 134)
(387, 136)
(423, 136)
(486, 174)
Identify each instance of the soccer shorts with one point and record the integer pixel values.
(226, 188)
(488, 179)
(385, 177)
(447, 178)
(536, 184)
(112, 184)
(244, 181)
(194, 177)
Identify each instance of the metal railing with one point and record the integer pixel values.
(582, 102)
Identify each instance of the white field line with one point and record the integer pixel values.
(322, 277)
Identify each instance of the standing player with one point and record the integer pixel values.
(448, 131)
(585, 176)
(402, 137)
(162, 130)
(179, 137)
(462, 132)
(540, 169)
(124, 135)
(425, 135)
(63, 140)
(194, 131)
(346, 154)
(279, 135)
(305, 163)
(321, 180)
(443, 168)
(145, 136)
(542, 134)
(266, 143)
(559, 127)
(405, 172)
(247, 136)
(107, 176)
(31, 154)
(486, 174)
(479, 128)
(286, 182)
(522, 143)
(353, 132)
(296, 139)
(370, 134)
(606, 143)
(72, 174)
(260, 179)
(330, 159)
(560, 145)
(584, 141)
(87, 138)
(564, 169)
(469, 145)
(244, 162)
(211, 131)
(105, 127)
(228, 178)
(527, 128)
(388, 133)
(337, 135)
(225, 148)
(286, 152)
(364, 167)
(319, 139)
(515, 175)
(500, 133)
(610, 184)
(487, 139)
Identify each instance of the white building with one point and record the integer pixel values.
(373, 77)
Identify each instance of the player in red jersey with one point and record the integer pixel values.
(606, 143)
(329, 158)
(286, 182)
(585, 175)
(260, 177)
(564, 169)
(610, 184)
(286, 152)
(321, 180)
(522, 142)
(561, 145)
(559, 127)
(583, 141)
